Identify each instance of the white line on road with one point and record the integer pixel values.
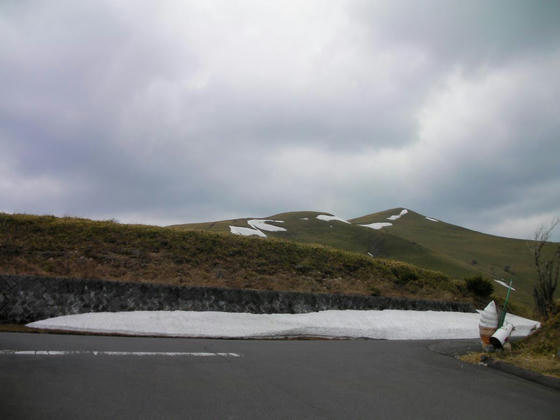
(112, 353)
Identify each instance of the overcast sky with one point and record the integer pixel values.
(168, 112)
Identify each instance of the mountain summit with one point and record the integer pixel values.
(397, 233)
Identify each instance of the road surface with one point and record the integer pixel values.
(165, 378)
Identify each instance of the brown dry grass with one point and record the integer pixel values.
(473, 358)
(15, 328)
(538, 352)
(70, 247)
(545, 364)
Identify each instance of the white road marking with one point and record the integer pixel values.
(112, 353)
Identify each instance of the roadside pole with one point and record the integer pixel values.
(503, 315)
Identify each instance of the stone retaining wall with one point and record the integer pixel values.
(25, 299)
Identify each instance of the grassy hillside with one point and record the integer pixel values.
(466, 250)
(412, 238)
(304, 227)
(46, 245)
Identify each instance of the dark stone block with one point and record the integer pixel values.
(33, 298)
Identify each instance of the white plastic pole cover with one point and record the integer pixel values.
(501, 335)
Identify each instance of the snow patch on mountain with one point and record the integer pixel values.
(327, 218)
(398, 216)
(257, 226)
(432, 219)
(243, 231)
(263, 225)
(378, 225)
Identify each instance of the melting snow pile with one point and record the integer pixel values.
(327, 218)
(387, 324)
(257, 226)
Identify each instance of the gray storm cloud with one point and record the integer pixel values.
(180, 111)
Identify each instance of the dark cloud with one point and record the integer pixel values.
(177, 112)
(473, 33)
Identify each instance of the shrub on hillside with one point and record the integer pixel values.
(404, 275)
(479, 286)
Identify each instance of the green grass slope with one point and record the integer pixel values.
(47, 245)
(412, 238)
(466, 250)
(304, 227)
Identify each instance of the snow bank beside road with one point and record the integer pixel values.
(387, 324)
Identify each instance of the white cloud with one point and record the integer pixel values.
(524, 227)
(191, 111)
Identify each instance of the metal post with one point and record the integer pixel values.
(503, 316)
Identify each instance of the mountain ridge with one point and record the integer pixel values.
(406, 235)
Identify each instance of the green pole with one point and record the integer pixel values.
(503, 317)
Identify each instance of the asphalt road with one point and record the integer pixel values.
(270, 379)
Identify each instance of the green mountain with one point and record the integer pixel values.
(306, 227)
(466, 250)
(403, 235)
